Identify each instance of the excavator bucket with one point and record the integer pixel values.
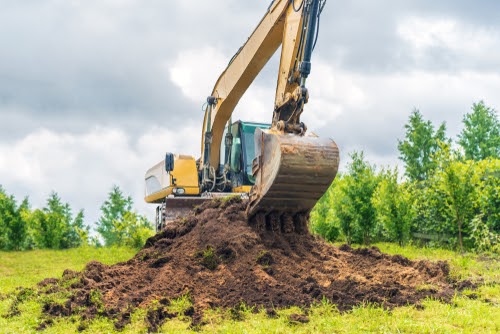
(291, 172)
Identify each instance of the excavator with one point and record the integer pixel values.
(280, 167)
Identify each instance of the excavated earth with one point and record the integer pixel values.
(219, 259)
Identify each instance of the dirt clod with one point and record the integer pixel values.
(298, 318)
(45, 324)
(221, 260)
(265, 258)
(156, 317)
(271, 313)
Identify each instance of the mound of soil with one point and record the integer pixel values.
(219, 259)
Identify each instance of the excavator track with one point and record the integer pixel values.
(291, 173)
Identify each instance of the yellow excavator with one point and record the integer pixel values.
(281, 168)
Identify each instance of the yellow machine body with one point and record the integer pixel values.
(182, 180)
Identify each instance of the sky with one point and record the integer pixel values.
(94, 92)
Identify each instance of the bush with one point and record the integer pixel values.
(394, 207)
(119, 225)
(322, 219)
(346, 209)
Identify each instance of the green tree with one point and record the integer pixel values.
(112, 211)
(345, 213)
(485, 227)
(483, 238)
(32, 234)
(419, 146)
(119, 225)
(79, 233)
(55, 227)
(432, 215)
(480, 138)
(137, 229)
(394, 207)
(489, 199)
(352, 206)
(322, 219)
(6, 211)
(13, 230)
(462, 199)
(458, 183)
(18, 228)
(52, 220)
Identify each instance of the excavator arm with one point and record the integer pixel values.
(292, 169)
(283, 25)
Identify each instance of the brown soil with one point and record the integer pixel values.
(220, 260)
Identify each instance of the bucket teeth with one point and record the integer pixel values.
(291, 172)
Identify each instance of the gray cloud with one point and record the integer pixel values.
(363, 35)
(70, 67)
(109, 59)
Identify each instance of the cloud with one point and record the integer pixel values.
(366, 36)
(450, 43)
(83, 167)
(195, 71)
(368, 112)
(95, 92)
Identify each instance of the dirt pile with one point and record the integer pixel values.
(220, 260)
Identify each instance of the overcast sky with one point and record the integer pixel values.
(94, 92)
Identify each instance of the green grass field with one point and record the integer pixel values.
(478, 313)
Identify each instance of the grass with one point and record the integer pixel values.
(483, 270)
(466, 317)
(477, 268)
(28, 268)
(208, 258)
(480, 314)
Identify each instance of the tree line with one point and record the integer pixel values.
(55, 226)
(449, 194)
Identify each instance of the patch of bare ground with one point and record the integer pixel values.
(219, 259)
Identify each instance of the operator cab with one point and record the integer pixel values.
(240, 153)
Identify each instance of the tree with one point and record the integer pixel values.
(353, 206)
(12, 227)
(79, 234)
(459, 183)
(29, 217)
(485, 227)
(4, 217)
(137, 229)
(322, 221)
(18, 228)
(480, 138)
(3, 228)
(118, 225)
(420, 144)
(344, 212)
(55, 227)
(394, 207)
(51, 222)
(489, 199)
(113, 210)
